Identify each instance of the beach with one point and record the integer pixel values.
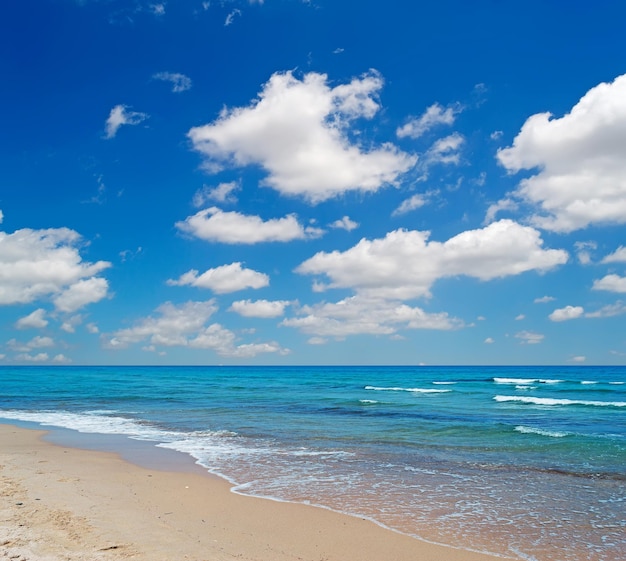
(66, 503)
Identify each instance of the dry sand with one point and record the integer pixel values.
(59, 503)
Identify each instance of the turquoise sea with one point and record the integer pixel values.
(528, 462)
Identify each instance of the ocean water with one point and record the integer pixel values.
(527, 462)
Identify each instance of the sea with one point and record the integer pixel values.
(523, 462)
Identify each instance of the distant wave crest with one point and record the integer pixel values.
(557, 402)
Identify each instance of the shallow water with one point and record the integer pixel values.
(528, 461)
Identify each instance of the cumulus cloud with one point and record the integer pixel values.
(180, 82)
(260, 308)
(611, 283)
(580, 158)
(530, 337)
(345, 224)
(446, 150)
(34, 320)
(618, 256)
(358, 315)
(412, 203)
(544, 299)
(39, 357)
(81, 293)
(35, 343)
(223, 193)
(434, 115)
(489, 341)
(215, 225)
(404, 264)
(298, 132)
(224, 279)
(121, 115)
(185, 326)
(61, 359)
(567, 313)
(41, 263)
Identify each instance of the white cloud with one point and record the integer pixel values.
(529, 337)
(608, 311)
(612, 283)
(224, 279)
(489, 341)
(121, 115)
(223, 193)
(61, 359)
(317, 341)
(495, 208)
(260, 308)
(433, 116)
(215, 225)
(362, 315)
(618, 256)
(445, 150)
(567, 313)
(544, 299)
(81, 293)
(297, 130)
(185, 326)
(405, 264)
(412, 203)
(39, 357)
(69, 325)
(580, 158)
(578, 359)
(173, 326)
(34, 320)
(92, 328)
(231, 17)
(180, 82)
(40, 263)
(345, 224)
(35, 343)
(157, 9)
(1, 217)
(520, 317)
(583, 251)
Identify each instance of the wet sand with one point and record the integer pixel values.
(61, 503)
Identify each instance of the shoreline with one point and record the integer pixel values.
(91, 504)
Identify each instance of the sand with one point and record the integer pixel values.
(60, 503)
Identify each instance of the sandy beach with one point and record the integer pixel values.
(66, 503)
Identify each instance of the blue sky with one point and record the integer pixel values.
(311, 182)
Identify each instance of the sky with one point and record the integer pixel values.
(312, 182)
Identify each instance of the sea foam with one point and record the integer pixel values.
(556, 402)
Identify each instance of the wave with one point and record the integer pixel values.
(556, 402)
(398, 389)
(542, 432)
(444, 383)
(368, 401)
(526, 381)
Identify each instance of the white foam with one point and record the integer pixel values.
(398, 389)
(97, 422)
(526, 381)
(542, 432)
(517, 381)
(368, 401)
(444, 383)
(555, 402)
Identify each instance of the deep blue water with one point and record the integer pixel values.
(522, 461)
